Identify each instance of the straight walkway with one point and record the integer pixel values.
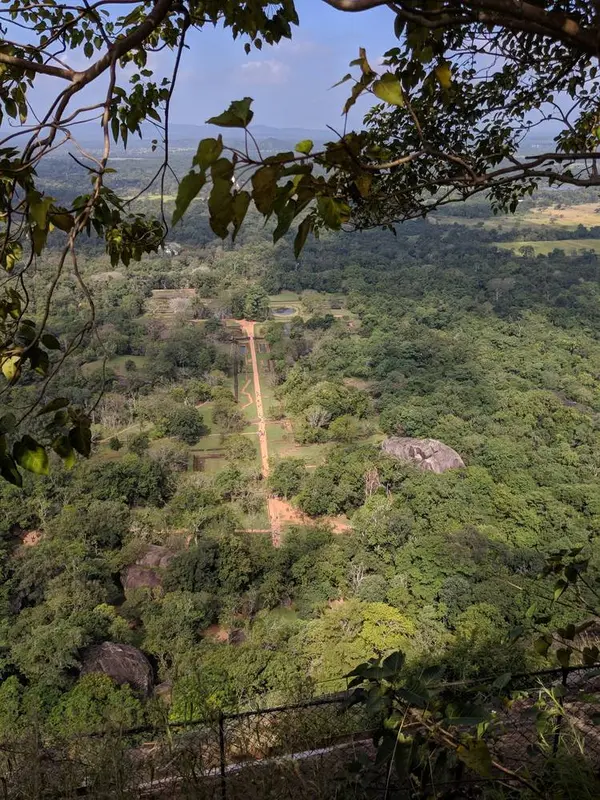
(247, 327)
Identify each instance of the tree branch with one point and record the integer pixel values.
(33, 66)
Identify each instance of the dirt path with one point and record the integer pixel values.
(244, 390)
(247, 327)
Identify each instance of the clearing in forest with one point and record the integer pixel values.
(569, 246)
(587, 214)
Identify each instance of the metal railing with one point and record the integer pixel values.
(300, 749)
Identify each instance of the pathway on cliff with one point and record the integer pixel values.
(247, 327)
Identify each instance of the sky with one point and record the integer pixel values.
(290, 82)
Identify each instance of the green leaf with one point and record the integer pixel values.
(358, 88)
(304, 229)
(11, 368)
(477, 757)
(62, 447)
(502, 681)
(81, 439)
(333, 212)
(9, 471)
(444, 74)
(285, 217)
(560, 587)
(363, 62)
(388, 89)
(11, 107)
(31, 456)
(563, 656)
(220, 206)
(347, 77)
(208, 152)
(222, 170)
(392, 664)
(61, 220)
(433, 673)
(188, 189)
(238, 115)
(39, 360)
(264, 185)
(399, 25)
(361, 670)
(568, 632)
(363, 183)
(240, 203)
(38, 239)
(411, 697)
(305, 146)
(542, 645)
(50, 341)
(38, 208)
(53, 405)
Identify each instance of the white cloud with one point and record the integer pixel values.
(268, 72)
(301, 47)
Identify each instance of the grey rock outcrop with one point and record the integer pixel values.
(428, 455)
(121, 662)
(147, 570)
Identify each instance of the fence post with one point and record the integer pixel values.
(222, 755)
(559, 719)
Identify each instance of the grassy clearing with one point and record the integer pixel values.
(284, 297)
(258, 521)
(168, 198)
(566, 217)
(116, 364)
(210, 448)
(569, 246)
(281, 445)
(278, 439)
(503, 223)
(313, 454)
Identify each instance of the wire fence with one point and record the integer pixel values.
(307, 749)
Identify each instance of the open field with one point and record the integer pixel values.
(115, 364)
(210, 450)
(587, 214)
(505, 222)
(284, 297)
(568, 217)
(569, 246)
(258, 521)
(280, 440)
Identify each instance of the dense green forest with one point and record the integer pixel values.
(434, 332)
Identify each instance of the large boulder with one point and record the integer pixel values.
(147, 570)
(121, 662)
(426, 454)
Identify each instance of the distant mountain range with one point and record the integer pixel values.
(186, 137)
(180, 132)
(270, 139)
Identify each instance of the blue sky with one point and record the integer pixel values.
(289, 82)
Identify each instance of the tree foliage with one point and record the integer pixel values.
(458, 90)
